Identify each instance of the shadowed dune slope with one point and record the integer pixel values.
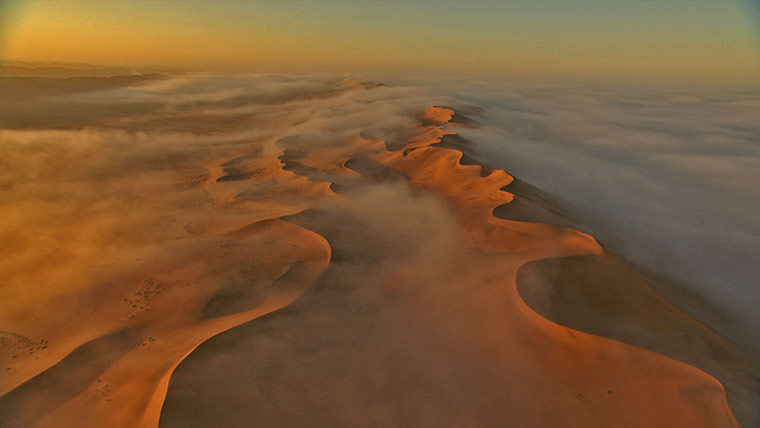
(603, 295)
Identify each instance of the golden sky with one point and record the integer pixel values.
(646, 39)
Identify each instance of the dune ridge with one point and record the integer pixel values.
(500, 247)
(366, 263)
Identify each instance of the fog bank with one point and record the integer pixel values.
(667, 178)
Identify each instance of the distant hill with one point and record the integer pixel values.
(64, 70)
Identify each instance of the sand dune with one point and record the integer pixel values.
(338, 264)
(350, 353)
(603, 295)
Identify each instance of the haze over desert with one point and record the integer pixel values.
(379, 215)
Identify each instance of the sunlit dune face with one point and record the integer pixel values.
(283, 254)
(437, 115)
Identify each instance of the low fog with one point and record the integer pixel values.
(666, 178)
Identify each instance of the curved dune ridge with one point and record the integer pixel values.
(331, 261)
(573, 378)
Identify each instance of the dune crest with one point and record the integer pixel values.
(574, 378)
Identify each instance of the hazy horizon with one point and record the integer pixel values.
(673, 41)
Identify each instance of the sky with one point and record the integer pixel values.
(647, 39)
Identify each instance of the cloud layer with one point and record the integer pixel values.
(668, 178)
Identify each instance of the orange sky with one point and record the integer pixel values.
(668, 39)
